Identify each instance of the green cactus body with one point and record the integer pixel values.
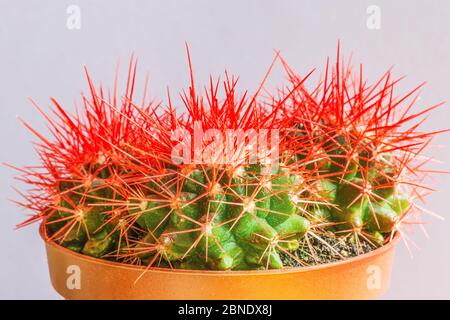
(214, 218)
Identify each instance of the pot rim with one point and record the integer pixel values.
(119, 265)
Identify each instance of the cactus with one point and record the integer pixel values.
(111, 186)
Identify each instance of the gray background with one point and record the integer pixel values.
(40, 57)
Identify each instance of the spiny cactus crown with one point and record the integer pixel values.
(109, 186)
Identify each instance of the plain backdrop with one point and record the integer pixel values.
(41, 57)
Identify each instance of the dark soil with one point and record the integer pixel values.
(342, 248)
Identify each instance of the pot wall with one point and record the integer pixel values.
(75, 276)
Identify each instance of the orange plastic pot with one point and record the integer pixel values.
(76, 276)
